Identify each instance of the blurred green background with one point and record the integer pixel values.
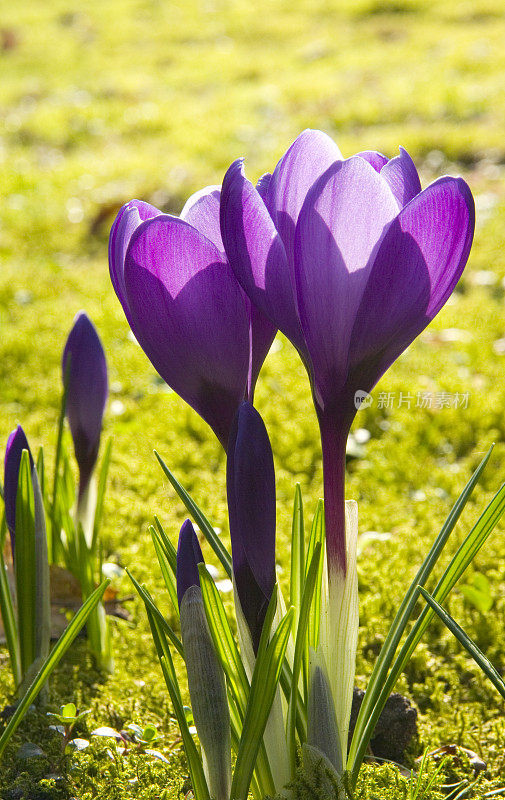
(105, 101)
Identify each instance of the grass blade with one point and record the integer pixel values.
(102, 485)
(24, 563)
(468, 643)
(154, 610)
(9, 622)
(169, 576)
(200, 787)
(300, 649)
(199, 517)
(402, 617)
(170, 550)
(297, 578)
(55, 656)
(463, 557)
(263, 688)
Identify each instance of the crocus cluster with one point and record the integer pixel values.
(351, 260)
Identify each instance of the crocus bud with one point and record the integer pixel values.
(206, 682)
(85, 370)
(189, 555)
(322, 730)
(16, 443)
(250, 481)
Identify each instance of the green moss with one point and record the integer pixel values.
(112, 100)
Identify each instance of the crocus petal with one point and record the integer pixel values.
(87, 388)
(263, 184)
(202, 212)
(256, 253)
(342, 222)
(16, 443)
(310, 155)
(401, 175)
(250, 480)
(127, 221)
(262, 334)
(374, 158)
(189, 316)
(189, 555)
(419, 263)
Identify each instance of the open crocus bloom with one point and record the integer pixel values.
(185, 306)
(351, 260)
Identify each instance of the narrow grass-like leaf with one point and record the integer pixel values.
(55, 532)
(468, 643)
(199, 517)
(300, 648)
(388, 650)
(263, 688)
(42, 592)
(154, 610)
(102, 485)
(55, 656)
(9, 622)
(297, 577)
(458, 564)
(41, 473)
(316, 537)
(170, 551)
(24, 562)
(200, 787)
(166, 569)
(231, 661)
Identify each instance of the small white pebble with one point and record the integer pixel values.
(362, 435)
(117, 407)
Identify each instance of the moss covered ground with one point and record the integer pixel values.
(103, 101)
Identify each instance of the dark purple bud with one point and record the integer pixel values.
(250, 479)
(16, 443)
(84, 359)
(189, 555)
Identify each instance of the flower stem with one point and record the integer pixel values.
(334, 433)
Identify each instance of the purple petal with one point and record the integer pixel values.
(127, 221)
(419, 263)
(310, 155)
(339, 231)
(202, 212)
(263, 184)
(262, 334)
(401, 175)
(87, 389)
(250, 481)
(189, 316)
(256, 253)
(189, 555)
(374, 158)
(16, 443)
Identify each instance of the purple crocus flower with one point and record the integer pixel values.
(16, 443)
(185, 306)
(250, 481)
(351, 260)
(87, 388)
(189, 555)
